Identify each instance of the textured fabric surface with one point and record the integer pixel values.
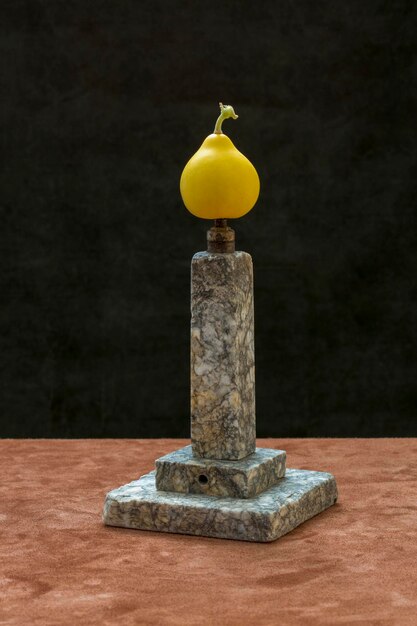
(353, 564)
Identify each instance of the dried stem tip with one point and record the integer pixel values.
(226, 111)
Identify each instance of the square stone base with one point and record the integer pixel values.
(183, 472)
(301, 494)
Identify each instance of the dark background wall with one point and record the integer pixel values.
(102, 103)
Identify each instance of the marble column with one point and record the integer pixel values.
(223, 424)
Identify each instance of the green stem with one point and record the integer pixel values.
(226, 111)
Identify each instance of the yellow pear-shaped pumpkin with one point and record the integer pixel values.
(219, 181)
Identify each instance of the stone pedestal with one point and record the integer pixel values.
(222, 485)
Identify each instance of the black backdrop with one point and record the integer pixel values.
(102, 103)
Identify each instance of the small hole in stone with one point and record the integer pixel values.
(202, 479)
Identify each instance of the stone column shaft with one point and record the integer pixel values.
(223, 423)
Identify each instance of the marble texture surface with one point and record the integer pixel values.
(182, 472)
(300, 495)
(222, 356)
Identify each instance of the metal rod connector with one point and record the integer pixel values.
(221, 238)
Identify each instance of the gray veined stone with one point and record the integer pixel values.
(298, 496)
(222, 485)
(183, 472)
(223, 422)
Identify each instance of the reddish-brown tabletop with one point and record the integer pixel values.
(356, 563)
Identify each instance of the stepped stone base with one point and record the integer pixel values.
(182, 472)
(298, 496)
